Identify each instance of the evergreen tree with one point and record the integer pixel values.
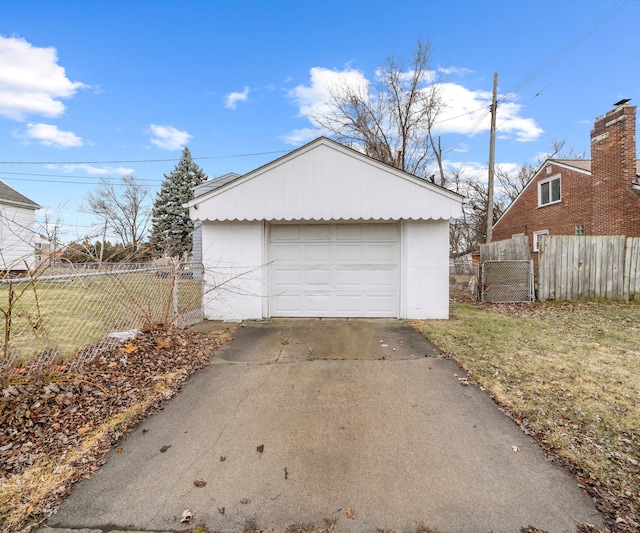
(171, 231)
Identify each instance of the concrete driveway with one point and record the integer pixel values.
(357, 422)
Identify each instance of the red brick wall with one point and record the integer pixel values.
(603, 201)
(616, 208)
(560, 218)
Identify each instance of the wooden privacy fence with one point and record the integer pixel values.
(588, 267)
(515, 248)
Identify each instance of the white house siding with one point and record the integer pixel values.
(234, 270)
(426, 269)
(196, 235)
(17, 237)
(327, 183)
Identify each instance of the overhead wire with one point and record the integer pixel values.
(120, 161)
(590, 30)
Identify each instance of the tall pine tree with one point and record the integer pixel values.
(171, 231)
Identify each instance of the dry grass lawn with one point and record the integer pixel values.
(570, 375)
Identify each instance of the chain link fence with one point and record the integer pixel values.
(79, 311)
(509, 281)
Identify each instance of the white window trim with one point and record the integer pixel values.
(548, 180)
(536, 235)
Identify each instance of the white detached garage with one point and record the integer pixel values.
(325, 231)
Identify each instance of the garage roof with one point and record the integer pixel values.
(324, 180)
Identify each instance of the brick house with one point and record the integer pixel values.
(600, 196)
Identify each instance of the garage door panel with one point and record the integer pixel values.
(317, 232)
(317, 252)
(334, 270)
(286, 252)
(347, 278)
(286, 304)
(383, 253)
(381, 232)
(380, 303)
(349, 232)
(349, 303)
(287, 277)
(318, 277)
(381, 278)
(316, 304)
(350, 252)
(285, 233)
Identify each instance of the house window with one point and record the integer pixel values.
(580, 229)
(536, 238)
(549, 191)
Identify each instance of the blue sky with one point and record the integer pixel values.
(86, 83)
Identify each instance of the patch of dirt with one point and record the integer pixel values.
(56, 427)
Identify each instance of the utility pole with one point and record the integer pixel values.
(492, 155)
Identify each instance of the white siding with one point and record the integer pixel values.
(234, 270)
(326, 181)
(17, 237)
(426, 269)
(196, 235)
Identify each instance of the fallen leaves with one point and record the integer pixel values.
(45, 418)
(162, 345)
(131, 348)
(350, 513)
(199, 483)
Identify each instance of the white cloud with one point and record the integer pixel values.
(465, 111)
(312, 99)
(407, 77)
(31, 81)
(460, 71)
(50, 135)
(168, 137)
(98, 171)
(302, 136)
(232, 99)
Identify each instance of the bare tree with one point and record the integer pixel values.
(392, 122)
(467, 232)
(124, 209)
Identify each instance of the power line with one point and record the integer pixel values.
(97, 176)
(119, 161)
(590, 30)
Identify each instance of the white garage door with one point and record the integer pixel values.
(341, 270)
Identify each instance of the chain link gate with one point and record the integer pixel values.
(508, 281)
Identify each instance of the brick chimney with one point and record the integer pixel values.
(616, 206)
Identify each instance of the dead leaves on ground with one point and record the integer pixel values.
(43, 417)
